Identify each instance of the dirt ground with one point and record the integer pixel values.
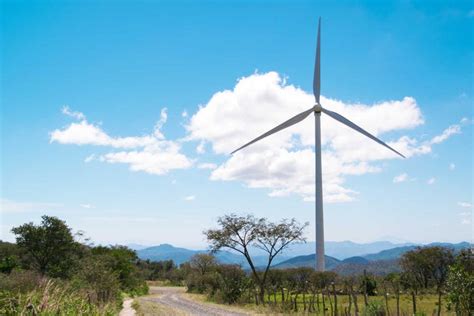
(174, 301)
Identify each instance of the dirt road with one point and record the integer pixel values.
(174, 301)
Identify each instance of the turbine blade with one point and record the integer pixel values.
(345, 121)
(317, 67)
(292, 121)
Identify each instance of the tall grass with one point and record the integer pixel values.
(51, 297)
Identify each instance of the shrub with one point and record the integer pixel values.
(98, 280)
(232, 283)
(374, 309)
(19, 281)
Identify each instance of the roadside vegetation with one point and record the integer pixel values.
(48, 271)
(433, 280)
(52, 271)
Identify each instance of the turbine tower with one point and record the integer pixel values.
(317, 109)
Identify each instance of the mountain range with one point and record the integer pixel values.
(343, 257)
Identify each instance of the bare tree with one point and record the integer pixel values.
(239, 233)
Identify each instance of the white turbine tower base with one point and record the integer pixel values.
(317, 109)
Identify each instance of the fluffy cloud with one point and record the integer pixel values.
(284, 162)
(400, 178)
(431, 180)
(149, 153)
(465, 204)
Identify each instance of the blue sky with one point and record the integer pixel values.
(78, 78)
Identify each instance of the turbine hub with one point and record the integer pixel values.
(317, 108)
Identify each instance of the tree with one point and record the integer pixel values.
(232, 283)
(9, 257)
(122, 261)
(239, 233)
(51, 247)
(393, 280)
(460, 283)
(440, 259)
(428, 266)
(203, 263)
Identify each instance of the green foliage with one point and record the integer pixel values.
(9, 257)
(122, 261)
(49, 248)
(232, 282)
(460, 283)
(368, 285)
(19, 281)
(98, 280)
(48, 272)
(374, 308)
(52, 298)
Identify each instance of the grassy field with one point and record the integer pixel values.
(426, 305)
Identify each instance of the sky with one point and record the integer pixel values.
(119, 117)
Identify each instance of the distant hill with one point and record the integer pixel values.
(306, 261)
(181, 255)
(355, 260)
(397, 252)
(380, 263)
(379, 267)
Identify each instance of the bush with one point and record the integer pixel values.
(374, 309)
(98, 280)
(232, 283)
(19, 281)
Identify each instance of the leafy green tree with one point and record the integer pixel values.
(9, 257)
(50, 248)
(203, 263)
(122, 261)
(428, 267)
(460, 283)
(393, 280)
(232, 283)
(100, 282)
(239, 233)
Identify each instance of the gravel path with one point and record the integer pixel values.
(127, 309)
(174, 298)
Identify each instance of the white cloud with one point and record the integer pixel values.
(465, 204)
(88, 206)
(466, 217)
(450, 131)
(400, 178)
(207, 166)
(190, 198)
(149, 153)
(10, 206)
(452, 166)
(89, 158)
(77, 115)
(284, 162)
(201, 149)
(431, 180)
(184, 114)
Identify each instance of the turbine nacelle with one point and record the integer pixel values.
(318, 108)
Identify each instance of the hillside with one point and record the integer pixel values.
(306, 261)
(380, 263)
(181, 255)
(397, 252)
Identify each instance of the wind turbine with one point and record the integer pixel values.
(317, 109)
